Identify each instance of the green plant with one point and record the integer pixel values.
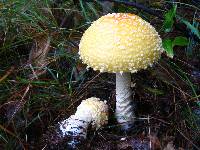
(169, 44)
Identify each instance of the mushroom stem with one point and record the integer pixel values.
(124, 102)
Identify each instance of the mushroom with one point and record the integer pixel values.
(90, 111)
(121, 43)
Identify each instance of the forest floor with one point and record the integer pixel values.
(42, 79)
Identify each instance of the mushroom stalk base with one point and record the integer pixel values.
(75, 129)
(124, 102)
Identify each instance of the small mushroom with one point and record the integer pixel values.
(90, 111)
(121, 43)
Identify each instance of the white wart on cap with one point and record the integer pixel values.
(120, 42)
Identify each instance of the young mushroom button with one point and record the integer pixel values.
(121, 43)
(90, 111)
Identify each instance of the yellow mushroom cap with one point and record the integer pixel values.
(120, 42)
(93, 110)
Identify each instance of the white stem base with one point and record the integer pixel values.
(75, 130)
(124, 102)
(74, 126)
